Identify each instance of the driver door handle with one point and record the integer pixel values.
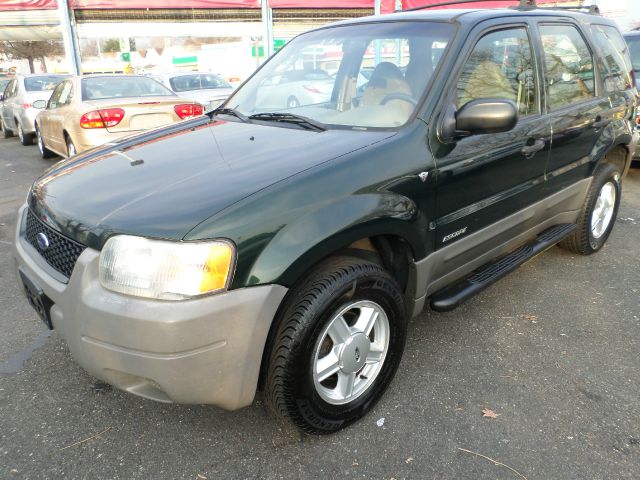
(530, 150)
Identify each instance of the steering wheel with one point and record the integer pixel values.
(399, 96)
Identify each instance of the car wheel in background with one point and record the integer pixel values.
(293, 102)
(26, 139)
(71, 148)
(6, 133)
(44, 151)
(337, 345)
(598, 212)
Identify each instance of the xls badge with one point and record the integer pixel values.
(455, 234)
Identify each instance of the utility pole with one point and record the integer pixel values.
(69, 36)
(267, 32)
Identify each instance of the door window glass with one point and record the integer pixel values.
(617, 69)
(568, 65)
(54, 101)
(501, 66)
(65, 94)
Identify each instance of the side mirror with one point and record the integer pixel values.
(40, 104)
(477, 117)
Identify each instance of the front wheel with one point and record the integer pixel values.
(338, 343)
(598, 213)
(44, 151)
(6, 133)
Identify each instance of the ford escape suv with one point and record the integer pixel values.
(285, 250)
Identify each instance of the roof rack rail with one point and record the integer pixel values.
(523, 3)
(592, 9)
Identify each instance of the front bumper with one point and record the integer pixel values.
(203, 351)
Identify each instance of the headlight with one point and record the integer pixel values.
(165, 270)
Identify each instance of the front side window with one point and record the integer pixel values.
(634, 49)
(568, 65)
(354, 76)
(54, 100)
(617, 69)
(501, 66)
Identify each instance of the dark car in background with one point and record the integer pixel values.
(285, 245)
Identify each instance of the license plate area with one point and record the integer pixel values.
(37, 299)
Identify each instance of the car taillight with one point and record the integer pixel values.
(311, 88)
(103, 118)
(27, 105)
(188, 110)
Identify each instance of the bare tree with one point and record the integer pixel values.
(31, 50)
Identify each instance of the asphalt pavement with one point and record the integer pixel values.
(553, 350)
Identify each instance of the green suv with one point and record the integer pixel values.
(285, 249)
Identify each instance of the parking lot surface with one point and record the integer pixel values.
(552, 350)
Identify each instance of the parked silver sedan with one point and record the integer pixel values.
(207, 89)
(17, 114)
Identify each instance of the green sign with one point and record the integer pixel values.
(278, 43)
(185, 60)
(125, 56)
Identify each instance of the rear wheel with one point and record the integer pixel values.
(71, 148)
(6, 133)
(338, 343)
(44, 151)
(26, 139)
(598, 214)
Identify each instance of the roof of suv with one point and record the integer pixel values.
(474, 16)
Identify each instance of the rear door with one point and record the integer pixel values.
(50, 118)
(485, 178)
(577, 108)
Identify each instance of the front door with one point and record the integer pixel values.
(484, 178)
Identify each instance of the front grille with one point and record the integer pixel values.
(62, 252)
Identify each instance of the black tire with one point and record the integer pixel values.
(71, 148)
(44, 151)
(290, 391)
(6, 133)
(582, 240)
(26, 139)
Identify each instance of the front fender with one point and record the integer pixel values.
(319, 233)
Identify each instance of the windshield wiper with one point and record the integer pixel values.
(304, 122)
(230, 111)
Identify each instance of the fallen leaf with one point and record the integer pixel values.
(201, 477)
(409, 460)
(529, 317)
(355, 464)
(488, 413)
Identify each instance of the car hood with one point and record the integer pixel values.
(163, 183)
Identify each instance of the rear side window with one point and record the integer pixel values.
(501, 66)
(568, 65)
(617, 71)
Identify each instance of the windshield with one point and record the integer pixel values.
(358, 76)
(98, 88)
(187, 83)
(42, 83)
(634, 50)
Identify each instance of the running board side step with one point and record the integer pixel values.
(451, 297)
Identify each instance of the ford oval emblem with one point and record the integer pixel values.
(43, 241)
